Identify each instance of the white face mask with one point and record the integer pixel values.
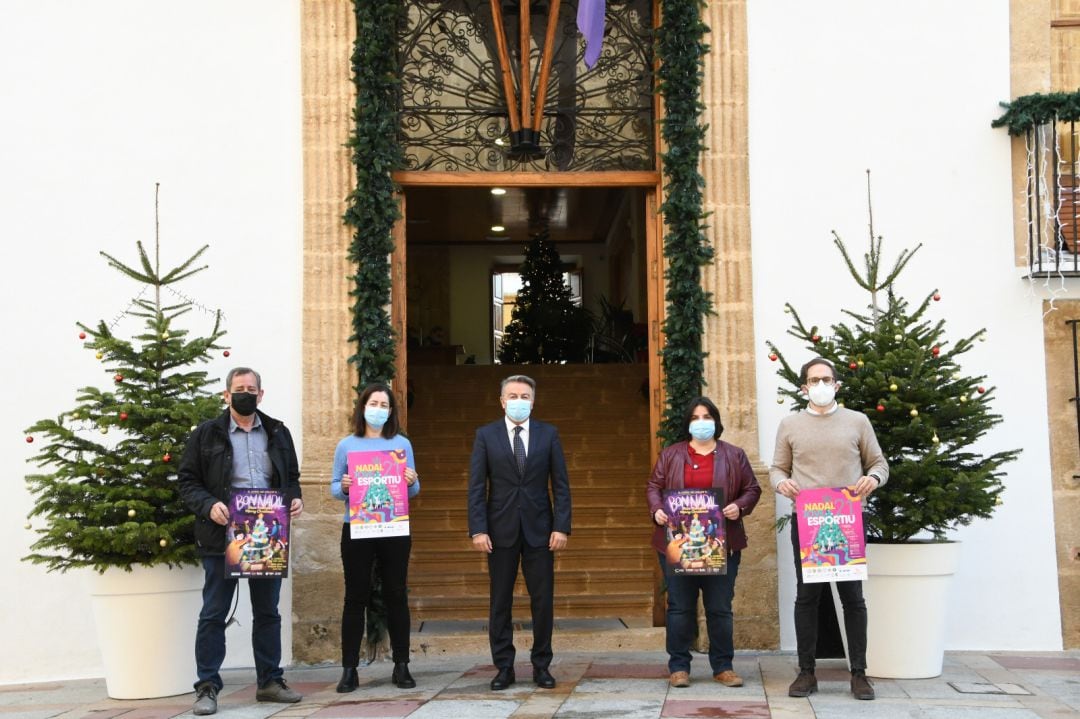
(822, 394)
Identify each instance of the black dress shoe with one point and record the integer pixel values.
(349, 681)
(401, 677)
(503, 679)
(543, 679)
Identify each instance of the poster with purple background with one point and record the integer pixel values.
(257, 534)
(697, 543)
(831, 544)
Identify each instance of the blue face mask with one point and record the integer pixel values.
(376, 416)
(518, 409)
(702, 429)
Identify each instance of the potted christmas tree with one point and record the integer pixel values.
(106, 497)
(896, 366)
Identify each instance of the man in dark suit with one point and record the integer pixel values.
(512, 519)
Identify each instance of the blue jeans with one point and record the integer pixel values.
(717, 591)
(265, 628)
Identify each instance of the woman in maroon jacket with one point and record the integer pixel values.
(702, 462)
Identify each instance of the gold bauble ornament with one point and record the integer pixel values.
(104, 430)
(898, 337)
(839, 404)
(779, 400)
(963, 398)
(860, 363)
(27, 526)
(131, 512)
(893, 387)
(998, 500)
(787, 309)
(914, 412)
(956, 375)
(164, 542)
(935, 439)
(98, 355)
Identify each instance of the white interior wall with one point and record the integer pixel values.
(909, 91)
(102, 100)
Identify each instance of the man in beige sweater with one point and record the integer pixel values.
(826, 445)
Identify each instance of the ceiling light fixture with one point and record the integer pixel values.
(498, 228)
(498, 191)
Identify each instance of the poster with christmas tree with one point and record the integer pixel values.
(258, 534)
(378, 494)
(697, 541)
(831, 545)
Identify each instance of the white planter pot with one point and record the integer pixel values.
(146, 622)
(906, 598)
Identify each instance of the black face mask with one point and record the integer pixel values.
(243, 403)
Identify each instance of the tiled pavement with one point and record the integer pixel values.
(609, 685)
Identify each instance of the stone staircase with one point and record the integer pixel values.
(603, 420)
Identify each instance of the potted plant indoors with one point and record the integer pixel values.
(105, 497)
(896, 366)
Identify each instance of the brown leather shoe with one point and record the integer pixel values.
(728, 678)
(804, 685)
(679, 679)
(861, 688)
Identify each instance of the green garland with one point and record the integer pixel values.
(682, 50)
(372, 211)
(373, 208)
(1024, 113)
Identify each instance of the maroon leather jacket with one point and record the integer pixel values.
(731, 470)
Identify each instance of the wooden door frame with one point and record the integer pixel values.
(650, 181)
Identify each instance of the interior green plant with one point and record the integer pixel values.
(896, 367)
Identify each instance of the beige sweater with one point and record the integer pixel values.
(826, 450)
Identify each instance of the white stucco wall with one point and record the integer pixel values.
(907, 90)
(102, 100)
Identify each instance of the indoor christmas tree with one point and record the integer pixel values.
(109, 496)
(545, 326)
(896, 367)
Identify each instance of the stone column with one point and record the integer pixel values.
(729, 334)
(327, 32)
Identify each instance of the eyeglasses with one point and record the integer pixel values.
(813, 381)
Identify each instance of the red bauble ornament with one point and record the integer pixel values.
(29, 439)
(772, 356)
(123, 416)
(82, 335)
(225, 353)
(853, 365)
(935, 350)
(167, 457)
(937, 297)
(815, 338)
(881, 408)
(118, 378)
(982, 389)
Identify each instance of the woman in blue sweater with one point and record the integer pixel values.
(376, 428)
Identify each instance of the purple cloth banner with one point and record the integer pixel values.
(590, 21)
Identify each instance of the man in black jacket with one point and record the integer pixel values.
(244, 449)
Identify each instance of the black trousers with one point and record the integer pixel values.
(807, 597)
(357, 558)
(538, 566)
